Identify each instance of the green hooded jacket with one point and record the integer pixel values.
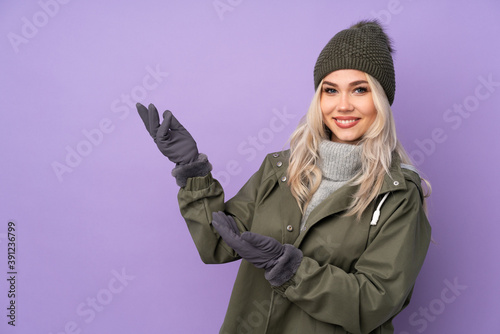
(355, 275)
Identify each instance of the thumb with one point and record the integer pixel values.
(175, 124)
(167, 118)
(162, 132)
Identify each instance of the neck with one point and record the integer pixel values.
(339, 161)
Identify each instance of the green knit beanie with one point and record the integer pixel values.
(364, 47)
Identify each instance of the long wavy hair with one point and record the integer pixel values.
(379, 143)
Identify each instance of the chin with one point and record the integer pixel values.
(347, 140)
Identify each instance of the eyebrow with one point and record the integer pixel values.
(354, 83)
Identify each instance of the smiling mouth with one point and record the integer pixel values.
(345, 123)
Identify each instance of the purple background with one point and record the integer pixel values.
(74, 67)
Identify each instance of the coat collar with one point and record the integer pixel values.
(396, 180)
(340, 200)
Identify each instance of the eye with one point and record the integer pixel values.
(361, 90)
(329, 90)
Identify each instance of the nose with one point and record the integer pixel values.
(345, 103)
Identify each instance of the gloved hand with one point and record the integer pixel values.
(280, 261)
(173, 140)
(261, 251)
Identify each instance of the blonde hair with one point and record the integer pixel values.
(379, 142)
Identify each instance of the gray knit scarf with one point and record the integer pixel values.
(339, 163)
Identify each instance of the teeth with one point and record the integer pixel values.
(341, 121)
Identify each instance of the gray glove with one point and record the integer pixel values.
(173, 140)
(280, 261)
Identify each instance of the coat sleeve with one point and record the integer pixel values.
(203, 195)
(383, 277)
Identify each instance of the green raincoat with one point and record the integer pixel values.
(355, 275)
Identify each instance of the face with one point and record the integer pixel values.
(347, 105)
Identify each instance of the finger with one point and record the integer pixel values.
(231, 239)
(220, 223)
(162, 132)
(232, 224)
(144, 113)
(154, 120)
(175, 124)
(220, 216)
(217, 216)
